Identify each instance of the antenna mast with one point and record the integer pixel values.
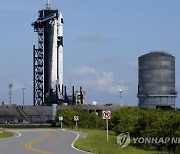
(48, 5)
(10, 92)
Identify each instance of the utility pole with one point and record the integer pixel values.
(10, 92)
(120, 92)
(23, 96)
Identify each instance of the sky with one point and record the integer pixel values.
(102, 42)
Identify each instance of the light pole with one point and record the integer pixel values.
(10, 92)
(23, 95)
(120, 92)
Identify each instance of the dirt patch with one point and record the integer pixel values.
(1, 130)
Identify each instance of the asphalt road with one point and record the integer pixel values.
(44, 141)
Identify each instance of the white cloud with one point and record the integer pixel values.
(96, 81)
(95, 38)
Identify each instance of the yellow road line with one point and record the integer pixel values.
(28, 145)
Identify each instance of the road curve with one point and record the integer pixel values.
(40, 141)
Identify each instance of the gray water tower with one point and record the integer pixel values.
(156, 75)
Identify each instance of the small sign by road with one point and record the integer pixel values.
(76, 118)
(61, 118)
(106, 114)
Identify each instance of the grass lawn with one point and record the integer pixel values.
(5, 134)
(96, 142)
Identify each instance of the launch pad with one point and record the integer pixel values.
(48, 57)
(48, 62)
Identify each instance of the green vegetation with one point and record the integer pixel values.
(86, 120)
(5, 134)
(140, 123)
(96, 142)
(148, 123)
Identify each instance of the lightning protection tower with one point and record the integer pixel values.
(48, 57)
(10, 92)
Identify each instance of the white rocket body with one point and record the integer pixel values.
(57, 54)
(60, 50)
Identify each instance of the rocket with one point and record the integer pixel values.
(48, 57)
(60, 50)
(57, 55)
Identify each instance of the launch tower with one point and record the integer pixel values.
(48, 57)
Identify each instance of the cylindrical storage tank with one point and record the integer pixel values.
(156, 85)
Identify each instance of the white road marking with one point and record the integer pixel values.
(19, 134)
(72, 145)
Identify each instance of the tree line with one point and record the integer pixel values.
(146, 123)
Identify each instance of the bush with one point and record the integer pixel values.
(86, 120)
(124, 120)
(148, 123)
